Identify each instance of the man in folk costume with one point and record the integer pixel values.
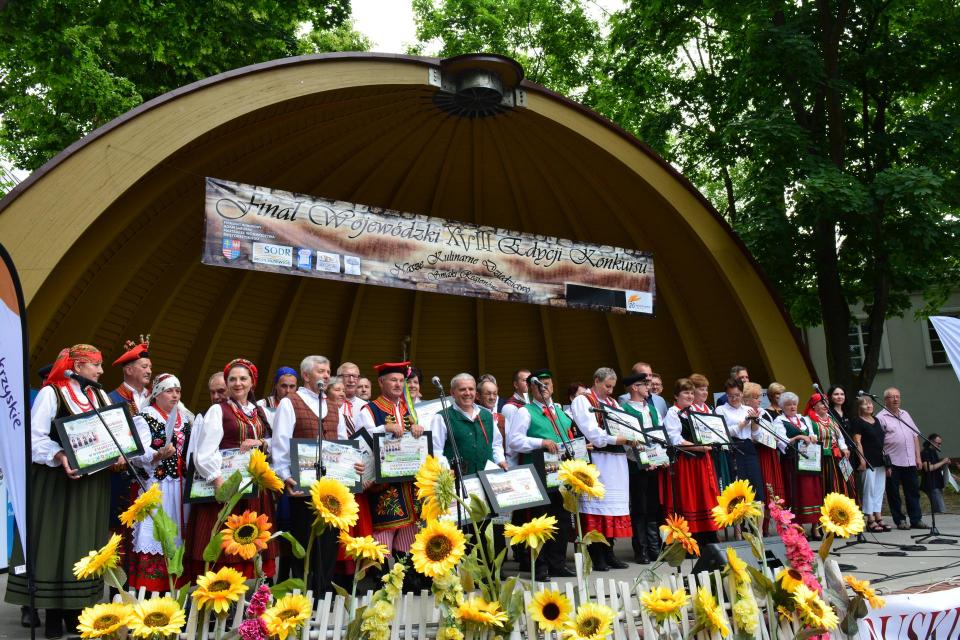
(352, 403)
(393, 507)
(70, 512)
(135, 392)
(487, 398)
(304, 414)
(645, 480)
(509, 405)
(284, 383)
(477, 438)
(609, 515)
(542, 426)
(137, 370)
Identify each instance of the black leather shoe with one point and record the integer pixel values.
(640, 557)
(54, 624)
(562, 571)
(542, 575)
(27, 620)
(615, 563)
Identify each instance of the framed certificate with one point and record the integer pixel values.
(763, 436)
(199, 490)
(399, 459)
(87, 444)
(548, 464)
(709, 428)
(339, 458)
(808, 457)
(616, 429)
(654, 454)
(471, 487)
(518, 488)
(846, 469)
(365, 444)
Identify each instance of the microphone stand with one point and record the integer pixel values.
(457, 462)
(934, 532)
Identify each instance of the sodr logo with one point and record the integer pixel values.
(273, 254)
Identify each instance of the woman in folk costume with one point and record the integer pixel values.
(803, 488)
(692, 491)
(609, 515)
(284, 382)
(164, 430)
(70, 512)
(719, 456)
(769, 457)
(834, 449)
(233, 423)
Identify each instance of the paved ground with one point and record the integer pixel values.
(937, 564)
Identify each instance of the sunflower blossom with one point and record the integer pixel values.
(663, 604)
(435, 488)
(363, 548)
(245, 535)
(708, 613)
(218, 590)
(142, 507)
(841, 516)
(863, 589)
(261, 472)
(287, 615)
(94, 564)
(478, 611)
(813, 610)
(582, 477)
(591, 622)
(533, 533)
(437, 548)
(550, 610)
(677, 530)
(103, 620)
(157, 617)
(736, 503)
(333, 504)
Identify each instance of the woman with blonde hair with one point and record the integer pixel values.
(774, 391)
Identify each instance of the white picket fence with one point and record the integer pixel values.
(417, 616)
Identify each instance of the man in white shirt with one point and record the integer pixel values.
(353, 402)
(477, 437)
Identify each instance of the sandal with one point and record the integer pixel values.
(884, 527)
(875, 527)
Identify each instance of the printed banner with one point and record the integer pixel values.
(262, 229)
(933, 615)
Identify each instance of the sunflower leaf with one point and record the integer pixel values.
(595, 536)
(466, 581)
(212, 551)
(229, 488)
(283, 588)
(295, 545)
(182, 594)
(674, 554)
(755, 545)
(342, 592)
(761, 583)
(165, 532)
(803, 634)
(175, 566)
(478, 508)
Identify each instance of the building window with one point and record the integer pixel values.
(936, 354)
(857, 340)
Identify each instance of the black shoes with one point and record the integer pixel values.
(612, 561)
(54, 624)
(27, 620)
(562, 571)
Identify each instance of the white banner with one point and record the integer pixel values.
(13, 401)
(915, 616)
(949, 331)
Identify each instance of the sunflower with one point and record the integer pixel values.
(663, 604)
(550, 609)
(102, 620)
(582, 477)
(290, 611)
(435, 488)
(96, 562)
(333, 504)
(789, 579)
(708, 613)
(840, 515)
(437, 548)
(142, 507)
(814, 611)
(533, 533)
(157, 617)
(219, 589)
(863, 589)
(738, 568)
(363, 548)
(479, 611)
(677, 530)
(261, 472)
(245, 535)
(592, 622)
(736, 502)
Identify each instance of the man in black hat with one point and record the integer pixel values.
(540, 425)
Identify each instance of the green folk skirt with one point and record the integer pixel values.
(69, 519)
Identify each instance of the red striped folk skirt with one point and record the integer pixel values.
(203, 516)
(610, 526)
(772, 471)
(149, 570)
(804, 493)
(697, 492)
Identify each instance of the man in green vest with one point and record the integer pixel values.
(478, 438)
(644, 482)
(541, 425)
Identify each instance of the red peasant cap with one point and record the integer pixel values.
(133, 351)
(393, 367)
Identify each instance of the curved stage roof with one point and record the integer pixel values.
(107, 236)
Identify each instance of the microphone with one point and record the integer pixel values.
(816, 388)
(82, 381)
(436, 382)
(536, 381)
(596, 410)
(862, 393)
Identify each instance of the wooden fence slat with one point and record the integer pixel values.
(629, 621)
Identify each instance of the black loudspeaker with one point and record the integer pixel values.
(714, 555)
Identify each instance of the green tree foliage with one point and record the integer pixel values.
(69, 66)
(557, 43)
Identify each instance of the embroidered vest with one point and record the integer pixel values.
(474, 439)
(306, 424)
(172, 467)
(234, 432)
